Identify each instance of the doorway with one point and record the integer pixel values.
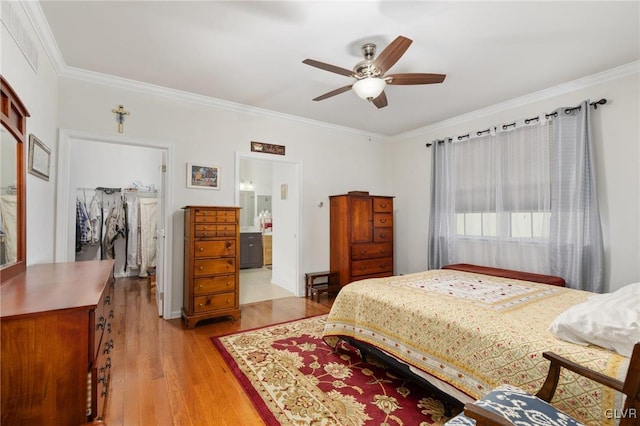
(273, 185)
(88, 161)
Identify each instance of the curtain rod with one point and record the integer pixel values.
(526, 121)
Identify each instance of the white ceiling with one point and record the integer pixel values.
(251, 53)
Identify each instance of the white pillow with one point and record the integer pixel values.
(610, 320)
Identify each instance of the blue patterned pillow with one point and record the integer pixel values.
(519, 407)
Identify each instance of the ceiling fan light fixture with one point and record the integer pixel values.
(369, 88)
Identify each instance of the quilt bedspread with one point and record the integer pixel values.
(476, 332)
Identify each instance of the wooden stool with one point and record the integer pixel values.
(316, 289)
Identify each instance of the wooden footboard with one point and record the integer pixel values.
(507, 273)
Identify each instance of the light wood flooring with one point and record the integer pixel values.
(164, 374)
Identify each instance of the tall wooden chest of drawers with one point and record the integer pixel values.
(361, 236)
(211, 263)
(57, 326)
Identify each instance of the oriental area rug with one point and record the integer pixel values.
(294, 378)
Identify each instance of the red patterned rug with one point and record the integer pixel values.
(294, 378)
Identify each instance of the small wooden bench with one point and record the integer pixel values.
(508, 273)
(315, 289)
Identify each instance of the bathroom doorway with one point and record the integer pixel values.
(268, 190)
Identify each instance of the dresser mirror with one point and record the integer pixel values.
(13, 226)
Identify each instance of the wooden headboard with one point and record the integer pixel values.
(508, 273)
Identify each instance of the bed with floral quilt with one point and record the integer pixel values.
(467, 333)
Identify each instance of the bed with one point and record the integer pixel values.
(468, 332)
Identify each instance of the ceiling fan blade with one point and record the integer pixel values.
(380, 101)
(414, 78)
(390, 55)
(333, 93)
(328, 67)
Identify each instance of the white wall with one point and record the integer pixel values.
(39, 93)
(617, 150)
(285, 203)
(113, 165)
(206, 133)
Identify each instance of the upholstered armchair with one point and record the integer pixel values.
(507, 405)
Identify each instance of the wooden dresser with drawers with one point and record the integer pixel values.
(211, 263)
(57, 325)
(361, 236)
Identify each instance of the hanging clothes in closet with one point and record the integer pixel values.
(120, 224)
(148, 220)
(142, 219)
(88, 224)
(115, 226)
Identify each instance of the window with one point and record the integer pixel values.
(477, 224)
(523, 224)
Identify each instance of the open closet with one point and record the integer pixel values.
(137, 168)
(120, 224)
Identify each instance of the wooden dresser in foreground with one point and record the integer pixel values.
(211, 263)
(56, 327)
(361, 236)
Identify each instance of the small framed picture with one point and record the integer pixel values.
(203, 177)
(39, 158)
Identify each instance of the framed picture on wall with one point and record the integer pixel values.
(203, 177)
(39, 158)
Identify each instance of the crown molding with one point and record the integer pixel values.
(179, 95)
(571, 86)
(40, 25)
(45, 35)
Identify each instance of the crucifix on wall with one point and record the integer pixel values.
(120, 113)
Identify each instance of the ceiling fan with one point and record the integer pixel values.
(369, 73)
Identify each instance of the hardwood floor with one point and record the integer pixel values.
(164, 374)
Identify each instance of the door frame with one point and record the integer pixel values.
(64, 252)
(298, 164)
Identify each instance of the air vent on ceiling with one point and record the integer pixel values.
(19, 33)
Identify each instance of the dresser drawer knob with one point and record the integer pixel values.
(228, 283)
(383, 205)
(228, 245)
(201, 305)
(200, 286)
(383, 235)
(228, 301)
(229, 265)
(201, 248)
(201, 268)
(383, 220)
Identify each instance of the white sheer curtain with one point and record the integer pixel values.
(576, 247)
(519, 197)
